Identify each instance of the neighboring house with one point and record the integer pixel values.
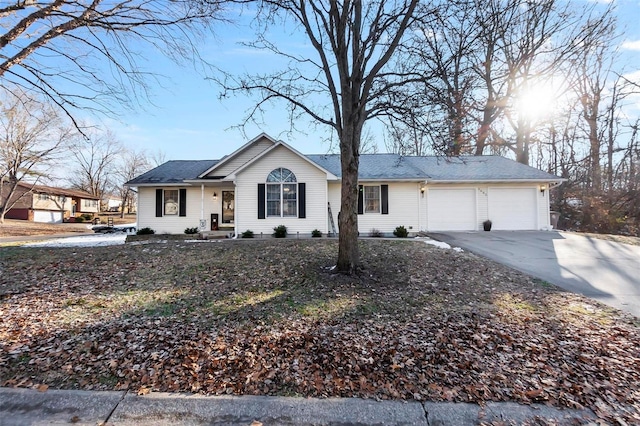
(267, 183)
(39, 203)
(112, 203)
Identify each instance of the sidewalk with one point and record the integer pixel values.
(30, 407)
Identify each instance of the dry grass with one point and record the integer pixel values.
(635, 241)
(268, 317)
(25, 228)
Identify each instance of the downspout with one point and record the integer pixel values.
(419, 207)
(235, 210)
(326, 203)
(423, 202)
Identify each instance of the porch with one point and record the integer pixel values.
(222, 233)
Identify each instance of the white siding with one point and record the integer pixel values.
(172, 224)
(544, 218)
(242, 158)
(247, 194)
(404, 208)
(482, 200)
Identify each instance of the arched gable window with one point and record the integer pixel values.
(282, 193)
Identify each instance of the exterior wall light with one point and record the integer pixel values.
(215, 196)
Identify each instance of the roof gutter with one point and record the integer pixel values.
(137, 185)
(556, 182)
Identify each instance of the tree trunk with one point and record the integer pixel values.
(348, 251)
(485, 126)
(594, 148)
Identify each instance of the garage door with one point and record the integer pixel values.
(451, 209)
(47, 216)
(513, 208)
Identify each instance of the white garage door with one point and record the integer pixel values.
(513, 208)
(451, 209)
(47, 216)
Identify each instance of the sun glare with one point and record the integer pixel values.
(537, 102)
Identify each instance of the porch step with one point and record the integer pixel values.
(213, 235)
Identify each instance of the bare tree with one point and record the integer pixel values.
(156, 158)
(353, 43)
(131, 164)
(94, 162)
(592, 72)
(56, 47)
(408, 138)
(442, 46)
(33, 137)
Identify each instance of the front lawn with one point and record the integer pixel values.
(269, 317)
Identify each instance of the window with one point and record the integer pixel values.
(90, 203)
(282, 193)
(170, 201)
(372, 199)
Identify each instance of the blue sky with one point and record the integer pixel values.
(186, 120)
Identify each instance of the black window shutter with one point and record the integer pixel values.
(261, 200)
(302, 199)
(360, 199)
(158, 202)
(384, 198)
(182, 199)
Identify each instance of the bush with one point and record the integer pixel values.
(280, 231)
(375, 233)
(191, 231)
(316, 233)
(145, 231)
(86, 216)
(79, 219)
(247, 234)
(401, 232)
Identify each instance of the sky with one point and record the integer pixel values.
(185, 119)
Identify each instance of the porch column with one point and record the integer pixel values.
(203, 223)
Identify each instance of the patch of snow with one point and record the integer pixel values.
(441, 244)
(95, 240)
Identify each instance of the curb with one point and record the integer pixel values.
(20, 407)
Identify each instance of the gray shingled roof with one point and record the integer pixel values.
(464, 168)
(174, 171)
(379, 167)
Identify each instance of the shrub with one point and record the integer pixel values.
(145, 231)
(79, 219)
(401, 232)
(316, 233)
(86, 216)
(247, 234)
(280, 231)
(375, 233)
(191, 231)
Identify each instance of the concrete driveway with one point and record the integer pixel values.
(603, 270)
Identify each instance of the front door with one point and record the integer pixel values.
(228, 206)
